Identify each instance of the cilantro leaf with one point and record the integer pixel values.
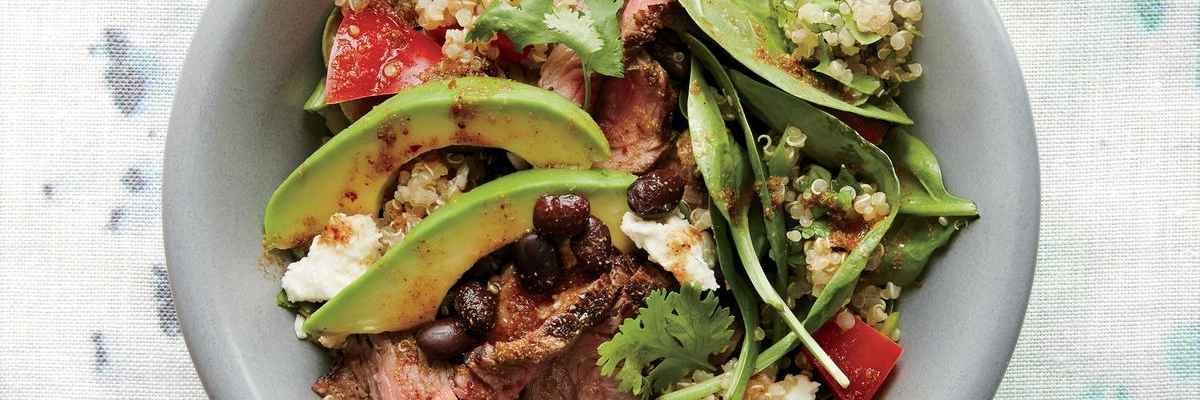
(594, 34)
(523, 25)
(671, 337)
(607, 61)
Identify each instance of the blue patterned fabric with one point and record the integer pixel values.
(86, 87)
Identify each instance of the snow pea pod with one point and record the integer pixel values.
(907, 247)
(830, 142)
(922, 190)
(749, 31)
(771, 213)
(726, 174)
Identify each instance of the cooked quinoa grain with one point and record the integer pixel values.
(857, 38)
(822, 262)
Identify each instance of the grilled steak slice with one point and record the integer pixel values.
(385, 367)
(535, 334)
(575, 375)
(507, 366)
(641, 18)
(562, 73)
(632, 111)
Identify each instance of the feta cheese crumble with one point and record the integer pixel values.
(684, 250)
(791, 387)
(347, 247)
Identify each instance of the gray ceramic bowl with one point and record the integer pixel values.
(237, 130)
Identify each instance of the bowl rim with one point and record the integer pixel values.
(195, 67)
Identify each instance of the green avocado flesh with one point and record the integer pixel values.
(350, 173)
(405, 287)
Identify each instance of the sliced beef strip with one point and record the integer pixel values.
(575, 375)
(562, 73)
(533, 331)
(632, 111)
(386, 367)
(641, 18)
(507, 366)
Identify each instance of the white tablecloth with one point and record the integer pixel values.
(86, 87)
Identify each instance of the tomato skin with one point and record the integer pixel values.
(376, 53)
(865, 355)
(508, 50)
(871, 129)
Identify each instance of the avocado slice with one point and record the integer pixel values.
(350, 172)
(405, 287)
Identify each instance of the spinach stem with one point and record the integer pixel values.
(712, 385)
(758, 279)
(940, 209)
(747, 306)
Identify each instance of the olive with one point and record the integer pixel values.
(476, 307)
(655, 194)
(593, 248)
(444, 339)
(537, 263)
(562, 215)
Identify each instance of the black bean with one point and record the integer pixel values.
(537, 263)
(445, 339)
(476, 307)
(489, 265)
(562, 215)
(593, 248)
(655, 194)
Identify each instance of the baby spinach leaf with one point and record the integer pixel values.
(922, 190)
(748, 30)
(316, 100)
(726, 174)
(906, 249)
(830, 142)
(331, 26)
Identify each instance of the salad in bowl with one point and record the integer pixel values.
(595, 199)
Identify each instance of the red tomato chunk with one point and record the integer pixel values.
(864, 354)
(376, 53)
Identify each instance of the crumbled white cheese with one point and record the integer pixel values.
(299, 327)
(347, 247)
(679, 247)
(797, 387)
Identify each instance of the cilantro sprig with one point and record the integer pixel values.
(594, 32)
(669, 338)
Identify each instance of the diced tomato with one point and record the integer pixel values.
(864, 354)
(871, 129)
(508, 50)
(438, 34)
(376, 53)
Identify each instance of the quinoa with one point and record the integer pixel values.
(838, 31)
(792, 387)
(822, 262)
(422, 186)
